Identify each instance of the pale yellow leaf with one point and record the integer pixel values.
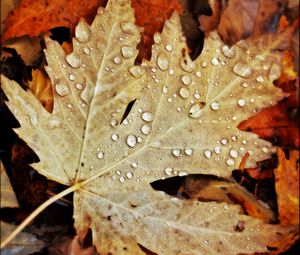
(183, 121)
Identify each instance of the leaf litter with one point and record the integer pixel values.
(126, 158)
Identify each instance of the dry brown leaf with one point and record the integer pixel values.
(24, 243)
(40, 86)
(183, 120)
(35, 17)
(287, 187)
(229, 192)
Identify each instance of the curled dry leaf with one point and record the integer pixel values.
(287, 187)
(229, 192)
(35, 17)
(183, 120)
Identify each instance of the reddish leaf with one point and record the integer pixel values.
(151, 15)
(35, 17)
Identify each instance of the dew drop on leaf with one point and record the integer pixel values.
(115, 137)
(217, 149)
(242, 69)
(195, 111)
(176, 152)
(228, 52)
(215, 106)
(168, 171)
(157, 38)
(188, 151)
(260, 79)
(234, 153)
(127, 51)
(146, 129)
(129, 175)
(128, 27)
(169, 47)
(117, 60)
(184, 92)
(79, 86)
(207, 153)
(187, 64)
(134, 164)
(163, 61)
(147, 116)
(72, 77)
(131, 140)
(100, 155)
(241, 102)
(73, 60)
(275, 72)
(136, 71)
(62, 89)
(186, 80)
(215, 61)
(83, 32)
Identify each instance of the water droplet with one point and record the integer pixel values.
(147, 116)
(206, 241)
(117, 60)
(72, 77)
(215, 106)
(129, 175)
(234, 153)
(215, 61)
(165, 89)
(163, 61)
(186, 80)
(224, 141)
(114, 122)
(207, 153)
(86, 50)
(234, 138)
(139, 139)
(241, 102)
(168, 171)
(187, 64)
(196, 111)
(176, 152)
(146, 129)
(184, 92)
(242, 69)
(169, 47)
(182, 173)
(127, 51)
(122, 179)
(73, 60)
(134, 164)
(131, 140)
(137, 71)
(79, 86)
(100, 155)
(188, 151)
(128, 27)
(197, 96)
(228, 52)
(265, 149)
(62, 89)
(198, 74)
(157, 38)
(217, 149)
(230, 162)
(275, 72)
(260, 79)
(115, 137)
(204, 64)
(171, 72)
(83, 32)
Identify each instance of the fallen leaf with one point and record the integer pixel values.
(287, 187)
(35, 17)
(41, 88)
(28, 48)
(279, 122)
(117, 127)
(24, 243)
(151, 16)
(229, 192)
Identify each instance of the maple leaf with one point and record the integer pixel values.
(35, 17)
(183, 120)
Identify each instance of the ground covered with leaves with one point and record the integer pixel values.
(168, 140)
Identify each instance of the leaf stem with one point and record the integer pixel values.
(37, 211)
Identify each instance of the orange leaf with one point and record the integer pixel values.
(35, 17)
(151, 15)
(279, 121)
(41, 88)
(287, 187)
